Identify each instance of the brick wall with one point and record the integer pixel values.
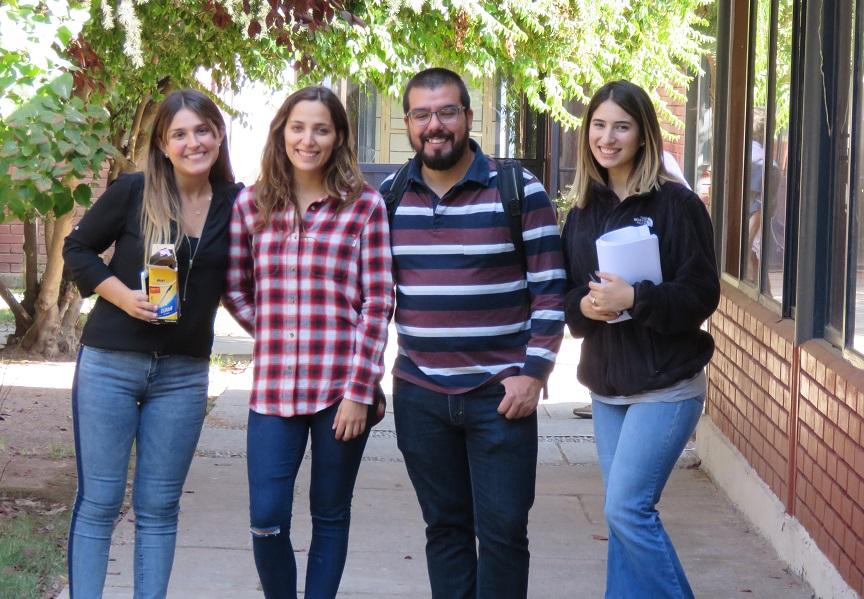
(829, 490)
(796, 413)
(679, 109)
(11, 248)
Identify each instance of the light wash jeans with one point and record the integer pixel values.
(638, 446)
(157, 402)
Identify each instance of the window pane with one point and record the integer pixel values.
(858, 244)
(704, 136)
(840, 201)
(363, 114)
(755, 182)
(857, 312)
(774, 231)
(568, 141)
(517, 131)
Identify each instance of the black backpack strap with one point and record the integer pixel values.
(396, 191)
(511, 189)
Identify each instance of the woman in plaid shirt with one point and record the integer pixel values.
(309, 276)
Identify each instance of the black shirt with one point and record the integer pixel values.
(663, 343)
(115, 218)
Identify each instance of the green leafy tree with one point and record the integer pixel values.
(50, 142)
(552, 51)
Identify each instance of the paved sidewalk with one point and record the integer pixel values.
(721, 554)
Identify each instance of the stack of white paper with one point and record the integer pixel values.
(632, 253)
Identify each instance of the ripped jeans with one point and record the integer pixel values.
(275, 448)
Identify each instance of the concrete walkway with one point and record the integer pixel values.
(721, 554)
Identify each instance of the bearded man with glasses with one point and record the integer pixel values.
(479, 326)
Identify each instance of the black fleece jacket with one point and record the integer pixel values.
(115, 219)
(663, 343)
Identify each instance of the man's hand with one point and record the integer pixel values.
(521, 394)
(350, 420)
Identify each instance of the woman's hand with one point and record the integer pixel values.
(137, 305)
(132, 301)
(350, 420)
(607, 298)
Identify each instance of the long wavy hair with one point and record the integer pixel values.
(648, 171)
(160, 213)
(274, 189)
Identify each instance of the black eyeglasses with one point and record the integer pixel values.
(446, 115)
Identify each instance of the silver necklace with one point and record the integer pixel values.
(192, 254)
(200, 210)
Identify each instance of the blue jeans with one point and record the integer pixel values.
(157, 402)
(638, 446)
(275, 447)
(474, 473)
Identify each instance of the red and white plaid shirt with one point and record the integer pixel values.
(317, 299)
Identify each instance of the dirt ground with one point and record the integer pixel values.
(37, 447)
(37, 456)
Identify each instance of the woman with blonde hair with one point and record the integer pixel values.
(139, 381)
(643, 351)
(310, 278)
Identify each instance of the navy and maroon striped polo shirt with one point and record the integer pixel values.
(466, 312)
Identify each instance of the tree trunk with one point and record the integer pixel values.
(24, 310)
(22, 317)
(31, 263)
(133, 142)
(69, 315)
(43, 338)
(135, 137)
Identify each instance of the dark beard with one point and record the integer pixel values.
(445, 160)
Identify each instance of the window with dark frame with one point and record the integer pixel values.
(766, 149)
(855, 279)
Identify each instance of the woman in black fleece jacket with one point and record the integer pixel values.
(645, 373)
(137, 380)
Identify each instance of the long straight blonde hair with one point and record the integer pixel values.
(160, 212)
(648, 171)
(274, 189)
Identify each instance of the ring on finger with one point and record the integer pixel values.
(593, 301)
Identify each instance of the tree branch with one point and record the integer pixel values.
(17, 309)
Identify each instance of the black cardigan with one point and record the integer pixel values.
(663, 343)
(115, 219)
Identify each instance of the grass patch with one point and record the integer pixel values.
(6, 316)
(60, 451)
(53, 450)
(32, 550)
(229, 363)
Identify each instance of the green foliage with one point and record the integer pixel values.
(782, 60)
(137, 55)
(50, 139)
(553, 51)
